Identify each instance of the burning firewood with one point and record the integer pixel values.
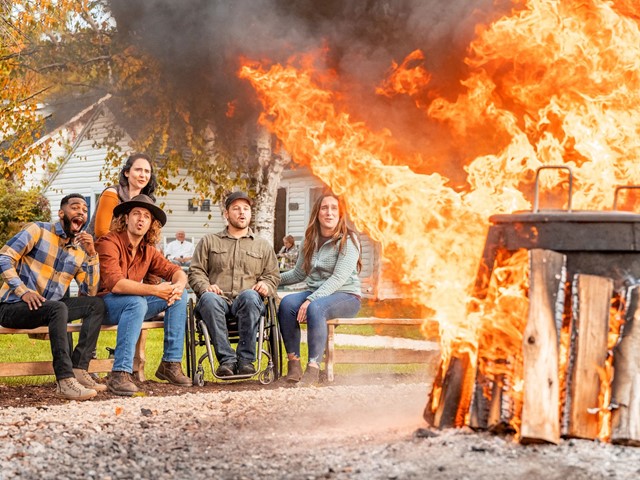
(625, 423)
(591, 301)
(541, 398)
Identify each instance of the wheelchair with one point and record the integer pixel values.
(269, 346)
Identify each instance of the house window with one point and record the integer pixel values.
(205, 206)
(88, 200)
(193, 204)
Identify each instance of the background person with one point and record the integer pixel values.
(127, 255)
(329, 265)
(136, 177)
(288, 254)
(180, 250)
(231, 271)
(37, 266)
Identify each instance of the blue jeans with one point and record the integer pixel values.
(333, 306)
(246, 309)
(129, 311)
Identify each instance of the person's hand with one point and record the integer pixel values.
(302, 313)
(261, 288)
(215, 289)
(33, 299)
(85, 240)
(169, 292)
(176, 294)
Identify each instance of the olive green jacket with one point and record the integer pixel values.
(234, 264)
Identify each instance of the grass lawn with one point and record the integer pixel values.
(21, 348)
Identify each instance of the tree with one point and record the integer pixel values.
(18, 207)
(54, 49)
(41, 43)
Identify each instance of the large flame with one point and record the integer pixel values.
(553, 83)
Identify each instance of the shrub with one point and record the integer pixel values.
(18, 207)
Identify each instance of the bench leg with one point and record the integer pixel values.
(140, 359)
(330, 351)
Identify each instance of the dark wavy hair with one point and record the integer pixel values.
(312, 233)
(124, 181)
(152, 237)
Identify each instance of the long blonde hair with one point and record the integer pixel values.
(342, 232)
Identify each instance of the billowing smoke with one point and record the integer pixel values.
(199, 44)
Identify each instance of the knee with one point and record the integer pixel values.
(250, 299)
(137, 306)
(98, 305)
(315, 311)
(209, 301)
(287, 304)
(58, 310)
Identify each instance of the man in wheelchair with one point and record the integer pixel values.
(231, 272)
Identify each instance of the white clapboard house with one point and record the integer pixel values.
(79, 170)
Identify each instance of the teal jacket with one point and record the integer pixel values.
(331, 271)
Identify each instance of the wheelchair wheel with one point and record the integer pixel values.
(275, 345)
(267, 376)
(190, 339)
(198, 377)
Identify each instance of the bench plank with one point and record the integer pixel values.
(373, 356)
(19, 369)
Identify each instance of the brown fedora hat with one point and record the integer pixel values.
(141, 201)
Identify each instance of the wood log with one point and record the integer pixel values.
(541, 399)
(591, 302)
(481, 403)
(454, 394)
(625, 395)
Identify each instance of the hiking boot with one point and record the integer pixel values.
(86, 380)
(226, 369)
(121, 383)
(245, 367)
(311, 376)
(294, 371)
(172, 373)
(71, 389)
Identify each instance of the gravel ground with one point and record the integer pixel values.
(367, 430)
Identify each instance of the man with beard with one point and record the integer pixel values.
(231, 271)
(127, 255)
(37, 266)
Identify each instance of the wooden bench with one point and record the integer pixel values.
(18, 369)
(372, 355)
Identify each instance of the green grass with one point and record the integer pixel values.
(16, 348)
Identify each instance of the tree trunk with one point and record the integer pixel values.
(270, 167)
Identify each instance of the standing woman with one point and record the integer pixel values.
(329, 263)
(136, 177)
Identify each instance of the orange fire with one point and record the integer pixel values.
(552, 83)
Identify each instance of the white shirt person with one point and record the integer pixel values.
(180, 250)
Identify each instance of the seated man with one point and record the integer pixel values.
(37, 266)
(230, 273)
(127, 255)
(180, 250)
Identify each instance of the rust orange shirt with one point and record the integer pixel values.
(117, 261)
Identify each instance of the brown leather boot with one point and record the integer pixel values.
(172, 373)
(87, 381)
(294, 371)
(121, 383)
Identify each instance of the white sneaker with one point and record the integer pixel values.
(71, 389)
(87, 380)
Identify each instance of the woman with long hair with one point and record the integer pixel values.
(329, 264)
(136, 177)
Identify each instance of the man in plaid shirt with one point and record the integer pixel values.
(37, 266)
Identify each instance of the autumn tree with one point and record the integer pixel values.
(54, 49)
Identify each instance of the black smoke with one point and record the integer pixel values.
(199, 43)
